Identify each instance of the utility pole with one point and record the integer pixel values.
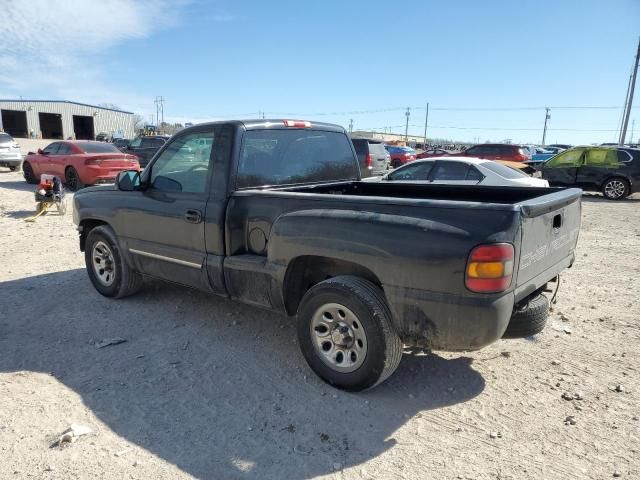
(546, 118)
(406, 127)
(350, 126)
(159, 101)
(633, 127)
(426, 122)
(632, 86)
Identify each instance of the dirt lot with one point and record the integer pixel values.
(208, 388)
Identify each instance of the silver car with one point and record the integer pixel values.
(10, 155)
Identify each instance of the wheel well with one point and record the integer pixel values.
(306, 271)
(87, 226)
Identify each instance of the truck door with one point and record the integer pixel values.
(163, 226)
(563, 168)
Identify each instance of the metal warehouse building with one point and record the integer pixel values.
(59, 119)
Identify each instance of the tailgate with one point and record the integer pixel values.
(549, 233)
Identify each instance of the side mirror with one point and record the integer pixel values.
(40, 152)
(128, 180)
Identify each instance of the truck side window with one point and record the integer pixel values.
(287, 157)
(184, 165)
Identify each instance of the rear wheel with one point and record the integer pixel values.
(616, 188)
(72, 179)
(27, 172)
(108, 271)
(346, 335)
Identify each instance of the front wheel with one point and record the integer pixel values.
(27, 172)
(346, 334)
(108, 271)
(616, 188)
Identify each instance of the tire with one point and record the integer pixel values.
(72, 179)
(27, 173)
(363, 355)
(124, 281)
(616, 188)
(530, 320)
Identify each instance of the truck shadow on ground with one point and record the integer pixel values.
(216, 388)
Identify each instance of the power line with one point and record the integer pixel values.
(498, 128)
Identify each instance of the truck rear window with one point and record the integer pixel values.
(289, 157)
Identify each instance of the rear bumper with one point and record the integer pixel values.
(449, 322)
(94, 175)
(9, 160)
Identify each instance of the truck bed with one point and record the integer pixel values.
(523, 196)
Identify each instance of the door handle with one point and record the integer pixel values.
(193, 216)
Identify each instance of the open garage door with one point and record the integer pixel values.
(14, 122)
(83, 127)
(51, 125)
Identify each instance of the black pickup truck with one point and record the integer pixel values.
(273, 213)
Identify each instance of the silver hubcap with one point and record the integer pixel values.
(614, 189)
(103, 264)
(339, 337)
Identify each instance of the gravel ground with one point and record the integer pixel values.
(207, 388)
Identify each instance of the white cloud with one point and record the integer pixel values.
(51, 49)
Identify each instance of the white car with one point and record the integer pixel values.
(461, 171)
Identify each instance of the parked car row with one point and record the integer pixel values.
(613, 171)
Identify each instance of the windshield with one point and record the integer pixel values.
(503, 170)
(285, 157)
(97, 147)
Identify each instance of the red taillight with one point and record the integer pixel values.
(93, 161)
(490, 268)
(369, 161)
(297, 124)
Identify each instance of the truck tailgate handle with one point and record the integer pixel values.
(557, 221)
(193, 216)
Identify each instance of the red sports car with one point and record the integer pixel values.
(78, 163)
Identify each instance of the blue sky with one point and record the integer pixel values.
(320, 60)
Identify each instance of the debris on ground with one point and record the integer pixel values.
(71, 435)
(495, 435)
(572, 396)
(570, 420)
(619, 388)
(110, 341)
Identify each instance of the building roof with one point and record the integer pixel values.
(19, 100)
